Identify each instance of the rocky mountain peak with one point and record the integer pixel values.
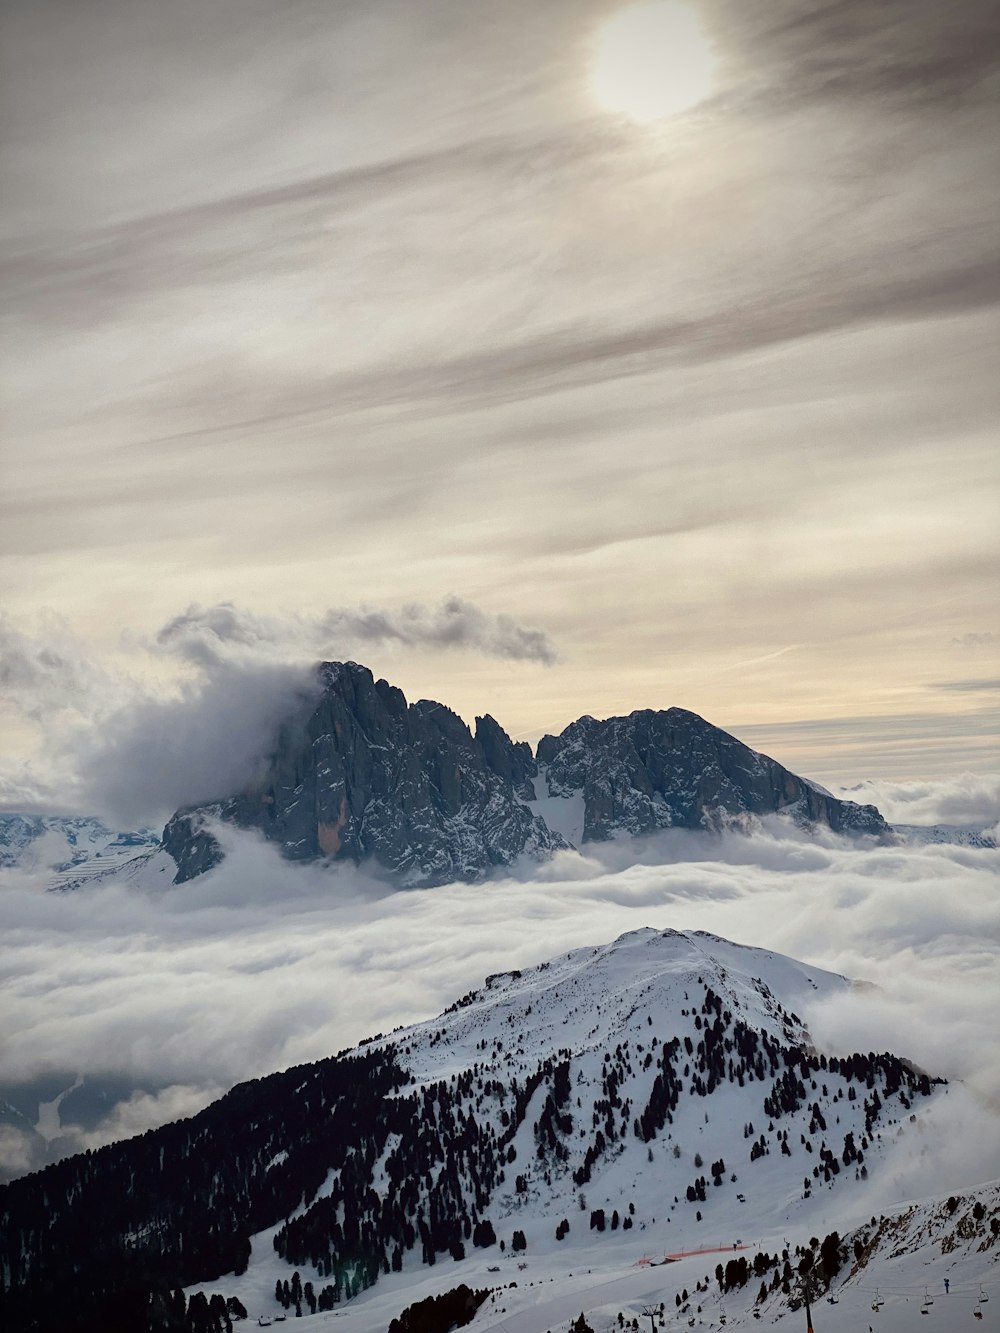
(368, 776)
(672, 769)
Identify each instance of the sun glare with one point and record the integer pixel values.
(652, 60)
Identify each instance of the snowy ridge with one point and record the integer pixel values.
(605, 986)
(961, 835)
(72, 849)
(560, 1065)
(556, 1135)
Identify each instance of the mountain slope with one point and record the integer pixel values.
(672, 769)
(655, 1094)
(368, 776)
(892, 1276)
(71, 849)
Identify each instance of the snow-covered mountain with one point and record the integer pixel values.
(564, 1127)
(69, 849)
(959, 835)
(368, 775)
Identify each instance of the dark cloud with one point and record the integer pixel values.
(206, 635)
(917, 52)
(974, 640)
(969, 686)
(455, 623)
(152, 756)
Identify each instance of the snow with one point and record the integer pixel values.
(553, 1290)
(72, 850)
(962, 835)
(563, 814)
(645, 988)
(48, 1125)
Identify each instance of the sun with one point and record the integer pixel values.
(652, 60)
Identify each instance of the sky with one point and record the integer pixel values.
(390, 327)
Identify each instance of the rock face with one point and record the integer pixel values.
(672, 769)
(370, 777)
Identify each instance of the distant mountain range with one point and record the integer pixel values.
(653, 1095)
(70, 849)
(368, 777)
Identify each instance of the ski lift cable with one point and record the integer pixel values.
(919, 1288)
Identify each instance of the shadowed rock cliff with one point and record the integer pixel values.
(367, 776)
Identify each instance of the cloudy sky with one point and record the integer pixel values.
(400, 330)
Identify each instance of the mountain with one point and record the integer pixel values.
(655, 1095)
(960, 835)
(72, 849)
(367, 776)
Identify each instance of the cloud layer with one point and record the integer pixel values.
(972, 799)
(261, 964)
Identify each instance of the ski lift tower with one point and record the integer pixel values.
(806, 1292)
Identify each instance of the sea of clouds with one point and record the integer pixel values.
(262, 964)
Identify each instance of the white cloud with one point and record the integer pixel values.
(966, 798)
(135, 747)
(205, 743)
(262, 964)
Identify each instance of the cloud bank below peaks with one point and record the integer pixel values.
(970, 799)
(261, 964)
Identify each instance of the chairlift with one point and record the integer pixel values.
(983, 1296)
(928, 1298)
